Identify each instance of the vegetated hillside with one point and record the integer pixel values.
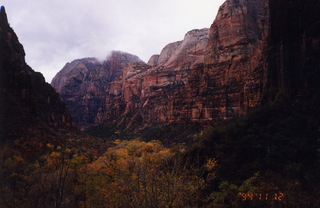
(272, 151)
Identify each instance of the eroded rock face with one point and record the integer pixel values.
(153, 61)
(235, 59)
(184, 53)
(83, 84)
(28, 105)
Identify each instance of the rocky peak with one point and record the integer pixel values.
(191, 49)
(83, 84)
(3, 14)
(126, 80)
(76, 67)
(154, 59)
(176, 54)
(90, 69)
(167, 52)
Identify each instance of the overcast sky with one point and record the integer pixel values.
(54, 32)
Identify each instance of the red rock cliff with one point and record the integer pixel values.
(235, 59)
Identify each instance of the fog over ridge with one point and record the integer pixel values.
(56, 32)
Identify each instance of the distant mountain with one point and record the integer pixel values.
(28, 105)
(83, 84)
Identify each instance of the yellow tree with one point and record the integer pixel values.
(141, 174)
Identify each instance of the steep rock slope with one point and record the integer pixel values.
(82, 84)
(28, 104)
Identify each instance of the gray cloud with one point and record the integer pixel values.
(55, 32)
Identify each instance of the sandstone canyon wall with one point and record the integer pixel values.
(28, 105)
(211, 75)
(235, 59)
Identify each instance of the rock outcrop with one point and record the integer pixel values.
(83, 84)
(28, 104)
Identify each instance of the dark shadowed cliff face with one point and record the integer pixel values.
(83, 84)
(294, 55)
(27, 102)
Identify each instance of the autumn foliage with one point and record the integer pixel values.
(130, 174)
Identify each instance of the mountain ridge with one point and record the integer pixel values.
(25, 96)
